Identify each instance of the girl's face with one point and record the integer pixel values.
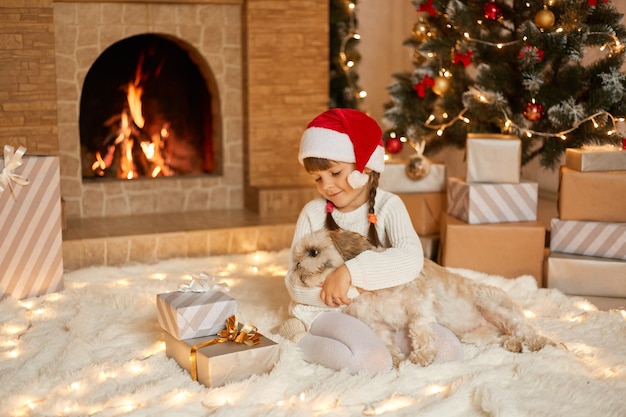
(332, 184)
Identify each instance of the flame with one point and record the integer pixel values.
(134, 104)
(131, 137)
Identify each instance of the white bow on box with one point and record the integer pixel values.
(203, 283)
(12, 161)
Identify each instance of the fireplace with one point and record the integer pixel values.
(145, 111)
(198, 109)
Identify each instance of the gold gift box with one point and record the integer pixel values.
(221, 363)
(595, 159)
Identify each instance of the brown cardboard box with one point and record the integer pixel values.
(223, 362)
(594, 196)
(31, 254)
(506, 249)
(425, 210)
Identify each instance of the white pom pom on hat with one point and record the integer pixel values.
(345, 135)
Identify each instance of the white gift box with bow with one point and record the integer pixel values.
(31, 252)
(197, 309)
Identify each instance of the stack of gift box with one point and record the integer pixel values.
(490, 224)
(202, 334)
(588, 239)
(31, 252)
(424, 198)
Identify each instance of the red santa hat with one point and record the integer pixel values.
(345, 135)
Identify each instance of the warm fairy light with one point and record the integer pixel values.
(362, 94)
(436, 389)
(28, 304)
(393, 403)
(15, 329)
(122, 282)
(529, 314)
(13, 353)
(159, 276)
(586, 306)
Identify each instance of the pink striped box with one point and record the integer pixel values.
(187, 315)
(31, 253)
(481, 203)
(602, 239)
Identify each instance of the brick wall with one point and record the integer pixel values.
(287, 85)
(28, 112)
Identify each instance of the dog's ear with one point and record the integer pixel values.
(349, 244)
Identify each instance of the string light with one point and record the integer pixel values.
(346, 64)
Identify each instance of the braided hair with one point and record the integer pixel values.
(312, 164)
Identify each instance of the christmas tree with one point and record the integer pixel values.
(514, 67)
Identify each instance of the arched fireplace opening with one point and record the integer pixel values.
(146, 111)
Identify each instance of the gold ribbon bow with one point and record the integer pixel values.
(12, 160)
(247, 335)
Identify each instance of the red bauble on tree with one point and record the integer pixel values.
(393, 145)
(492, 11)
(533, 111)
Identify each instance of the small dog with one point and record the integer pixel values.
(476, 313)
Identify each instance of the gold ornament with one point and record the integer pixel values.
(418, 167)
(544, 19)
(421, 30)
(442, 85)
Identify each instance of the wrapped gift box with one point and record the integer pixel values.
(395, 180)
(602, 239)
(186, 315)
(425, 210)
(606, 303)
(596, 159)
(593, 196)
(586, 275)
(477, 203)
(223, 362)
(31, 254)
(493, 158)
(506, 249)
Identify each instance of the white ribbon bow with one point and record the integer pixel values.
(12, 161)
(203, 283)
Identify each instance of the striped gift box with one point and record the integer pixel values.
(479, 203)
(186, 315)
(602, 239)
(31, 253)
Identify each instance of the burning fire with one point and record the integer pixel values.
(139, 152)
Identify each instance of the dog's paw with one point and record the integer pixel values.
(511, 343)
(423, 356)
(537, 342)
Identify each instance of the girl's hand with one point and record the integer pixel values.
(335, 289)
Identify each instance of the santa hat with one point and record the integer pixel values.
(345, 135)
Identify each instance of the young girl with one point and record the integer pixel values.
(342, 149)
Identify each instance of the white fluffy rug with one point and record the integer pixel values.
(96, 349)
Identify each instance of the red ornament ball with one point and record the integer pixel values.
(492, 11)
(533, 111)
(393, 145)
